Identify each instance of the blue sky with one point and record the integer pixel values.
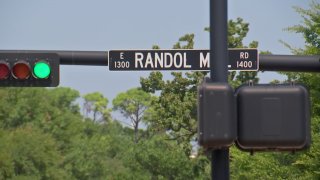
(125, 24)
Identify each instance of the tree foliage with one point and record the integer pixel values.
(97, 104)
(132, 105)
(309, 29)
(28, 152)
(163, 159)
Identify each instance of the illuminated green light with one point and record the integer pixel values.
(41, 70)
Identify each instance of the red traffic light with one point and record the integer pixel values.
(21, 70)
(4, 70)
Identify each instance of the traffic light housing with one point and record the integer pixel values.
(29, 69)
(273, 117)
(217, 124)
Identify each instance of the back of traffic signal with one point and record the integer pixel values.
(260, 117)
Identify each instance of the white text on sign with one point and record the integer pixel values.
(180, 59)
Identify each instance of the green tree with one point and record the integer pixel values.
(309, 29)
(187, 40)
(44, 136)
(88, 157)
(52, 110)
(163, 159)
(28, 152)
(39, 154)
(64, 98)
(97, 104)
(132, 104)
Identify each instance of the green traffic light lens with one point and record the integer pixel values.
(41, 70)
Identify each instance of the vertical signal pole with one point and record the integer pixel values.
(219, 73)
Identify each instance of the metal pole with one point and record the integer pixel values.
(94, 58)
(219, 73)
(291, 63)
(218, 41)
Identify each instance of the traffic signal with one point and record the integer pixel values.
(217, 123)
(29, 69)
(273, 117)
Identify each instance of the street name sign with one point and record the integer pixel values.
(180, 59)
